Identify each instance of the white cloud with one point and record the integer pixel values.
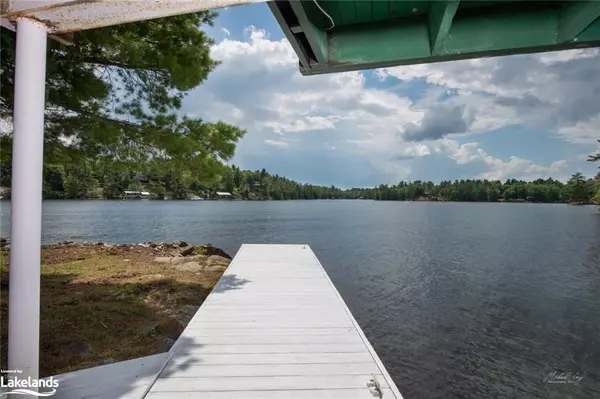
(275, 143)
(555, 57)
(226, 31)
(409, 151)
(515, 167)
(585, 132)
(557, 90)
(461, 153)
(522, 168)
(308, 123)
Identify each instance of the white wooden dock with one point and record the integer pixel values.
(274, 327)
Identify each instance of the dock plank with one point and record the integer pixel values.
(266, 370)
(272, 358)
(278, 339)
(271, 348)
(274, 383)
(274, 327)
(359, 393)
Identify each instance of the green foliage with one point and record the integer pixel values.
(512, 190)
(578, 190)
(596, 189)
(116, 96)
(5, 166)
(262, 185)
(594, 158)
(203, 249)
(101, 178)
(596, 197)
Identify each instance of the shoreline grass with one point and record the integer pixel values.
(102, 304)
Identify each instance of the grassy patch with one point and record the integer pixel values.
(98, 308)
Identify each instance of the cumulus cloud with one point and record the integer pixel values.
(412, 151)
(307, 123)
(556, 57)
(275, 143)
(437, 122)
(499, 169)
(558, 89)
(521, 168)
(461, 153)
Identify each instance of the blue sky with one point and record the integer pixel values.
(524, 116)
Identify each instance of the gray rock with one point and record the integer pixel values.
(197, 258)
(183, 244)
(187, 251)
(215, 268)
(163, 259)
(216, 260)
(189, 267)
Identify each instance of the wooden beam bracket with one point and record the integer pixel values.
(575, 17)
(441, 15)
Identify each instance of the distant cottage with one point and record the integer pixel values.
(224, 195)
(136, 194)
(427, 196)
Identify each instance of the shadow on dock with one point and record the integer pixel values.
(229, 282)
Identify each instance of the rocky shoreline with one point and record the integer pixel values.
(176, 252)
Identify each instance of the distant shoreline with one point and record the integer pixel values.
(308, 200)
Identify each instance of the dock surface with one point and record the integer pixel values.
(274, 327)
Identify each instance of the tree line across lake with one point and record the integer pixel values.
(96, 179)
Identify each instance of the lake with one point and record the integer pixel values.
(460, 300)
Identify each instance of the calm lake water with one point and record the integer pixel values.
(459, 300)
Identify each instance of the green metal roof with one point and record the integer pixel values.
(349, 35)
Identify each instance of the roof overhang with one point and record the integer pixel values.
(62, 17)
(345, 35)
(342, 35)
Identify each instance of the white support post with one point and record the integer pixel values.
(26, 203)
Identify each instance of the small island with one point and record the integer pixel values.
(103, 303)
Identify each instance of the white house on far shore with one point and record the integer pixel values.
(223, 195)
(135, 194)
